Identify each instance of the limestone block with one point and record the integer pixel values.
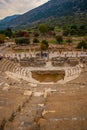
(6, 84)
(48, 91)
(6, 88)
(33, 85)
(38, 94)
(41, 105)
(27, 93)
(50, 111)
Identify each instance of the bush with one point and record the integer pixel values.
(36, 34)
(22, 41)
(82, 44)
(59, 39)
(44, 45)
(79, 30)
(73, 32)
(45, 42)
(8, 32)
(22, 34)
(43, 28)
(69, 40)
(2, 38)
(35, 40)
(66, 32)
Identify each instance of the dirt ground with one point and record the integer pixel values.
(48, 76)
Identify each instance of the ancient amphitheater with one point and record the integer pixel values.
(43, 93)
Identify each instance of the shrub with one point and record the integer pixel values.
(2, 38)
(21, 34)
(35, 40)
(82, 44)
(66, 32)
(59, 39)
(45, 42)
(69, 40)
(44, 45)
(43, 28)
(36, 34)
(22, 41)
(8, 32)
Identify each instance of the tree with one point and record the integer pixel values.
(44, 45)
(35, 40)
(82, 44)
(82, 27)
(69, 40)
(2, 31)
(2, 38)
(22, 41)
(36, 34)
(59, 39)
(26, 34)
(43, 28)
(73, 31)
(66, 32)
(8, 32)
(22, 34)
(74, 27)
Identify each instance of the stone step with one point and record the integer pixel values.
(2, 62)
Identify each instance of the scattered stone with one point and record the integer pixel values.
(41, 105)
(5, 88)
(45, 112)
(48, 91)
(38, 94)
(22, 123)
(27, 93)
(75, 118)
(53, 90)
(6, 84)
(1, 83)
(45, 94)
(33, 85)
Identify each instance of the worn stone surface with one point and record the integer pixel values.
(42, 106)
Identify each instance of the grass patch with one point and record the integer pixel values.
(52, 41)
(21, 50)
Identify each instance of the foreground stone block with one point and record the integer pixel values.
(6, 88)
(38, 94)
(27, 93)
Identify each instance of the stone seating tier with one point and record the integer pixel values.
(26, 73)
(7, 65)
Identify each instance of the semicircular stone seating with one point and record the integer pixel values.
(6, 65)
(24, 73)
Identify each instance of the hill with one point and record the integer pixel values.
(53, 9)
(9, 18)
(3, 22)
